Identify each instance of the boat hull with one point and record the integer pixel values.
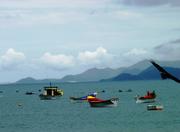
(145, 100)
(51, 93)
(78, 99)
(48, 97)
(105, 103)
(82, 99)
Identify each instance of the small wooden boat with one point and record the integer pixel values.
(51, 92)
(148, 98)
(155, 107)
(96, 102)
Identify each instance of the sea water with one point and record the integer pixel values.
(27, 113)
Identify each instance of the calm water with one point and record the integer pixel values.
(61, 115)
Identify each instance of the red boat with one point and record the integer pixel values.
(148, 98)
(96, 102)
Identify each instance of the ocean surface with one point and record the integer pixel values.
(27, 113)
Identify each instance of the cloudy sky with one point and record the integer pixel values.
(53, 38)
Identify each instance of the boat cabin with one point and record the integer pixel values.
(52, 91)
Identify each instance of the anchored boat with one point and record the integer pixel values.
(96, 102)
(51, 92)
(29, 93)
(155, 107)
(148, 98)
(84, 98)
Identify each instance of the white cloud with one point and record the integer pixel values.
(58, 61)
(11, 59)
(87, 59)
(100, 57)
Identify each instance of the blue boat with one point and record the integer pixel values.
(83, 98)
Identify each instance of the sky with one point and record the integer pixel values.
(54, 38)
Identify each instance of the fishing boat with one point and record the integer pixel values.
(51, 92)
(83, 98)
(148, 98)
(155, 107)
(96, 102)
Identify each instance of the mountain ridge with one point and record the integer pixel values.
(96, 74)
(151, 73)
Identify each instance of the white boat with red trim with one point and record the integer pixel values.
(148, 98)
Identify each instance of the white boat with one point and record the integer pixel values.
(155, 107)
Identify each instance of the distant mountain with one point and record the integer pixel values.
(90, 75)
(144, 64)
(138, 71)
(123, 77)
(173, 64)
(32, 80)
(137, 67)
(27, 80)
(93, 74)
(151, 73)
